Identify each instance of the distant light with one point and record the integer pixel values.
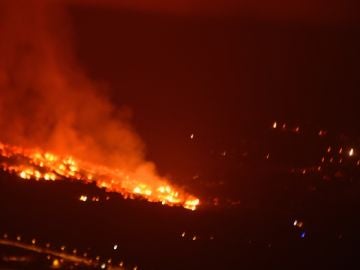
(351, 152)
(56, 263)
(62, 248)
(83, 198)
(192, 136)
(303, 234)
(95, 199)
(103, 266)
(274, 125)
(18, 238)
(115, 247)
(298, 223)
(183, 234)
(33, 241)
(194, 238)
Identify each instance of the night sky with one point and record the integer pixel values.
(222, 76)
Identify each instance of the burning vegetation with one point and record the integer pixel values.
(47, 102)
(32, 164)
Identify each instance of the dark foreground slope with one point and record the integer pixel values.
(152, 236)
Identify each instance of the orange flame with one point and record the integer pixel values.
(40, 165)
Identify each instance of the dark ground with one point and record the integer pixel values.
(251, 228)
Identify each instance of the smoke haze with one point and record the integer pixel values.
(48, 101)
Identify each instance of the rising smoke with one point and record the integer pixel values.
(47, 101)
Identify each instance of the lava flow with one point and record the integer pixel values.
(34, 164)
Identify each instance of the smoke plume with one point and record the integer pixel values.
(47, 101)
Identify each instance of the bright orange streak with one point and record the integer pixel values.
(39, 165)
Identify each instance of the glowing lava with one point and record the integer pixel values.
(34, 164)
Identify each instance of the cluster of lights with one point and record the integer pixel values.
(194, 237)
(295, 128)
(39, 165)
(58, 258)
(299, 225)
(285, 127)
(333, 155)
(86, 198)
